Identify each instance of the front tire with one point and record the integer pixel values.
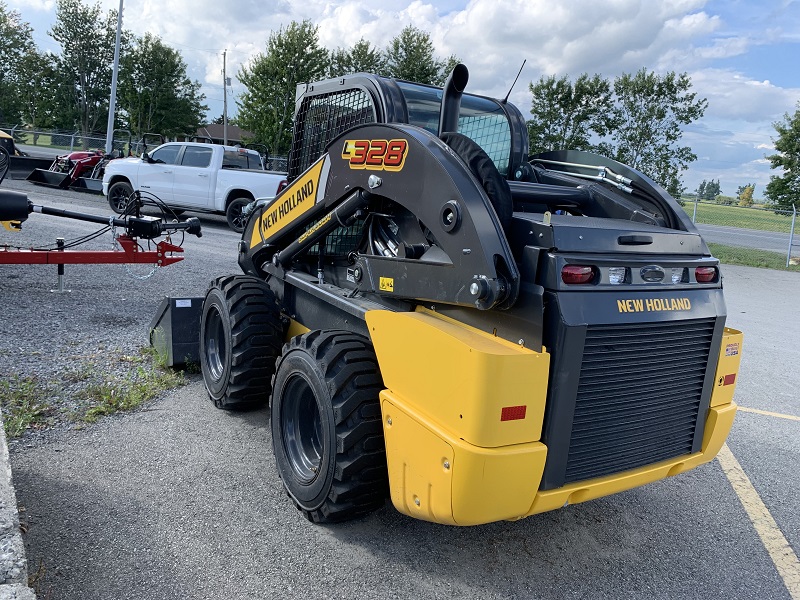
(241, 334)
(237, 220)
(119, 195)
(327, 432)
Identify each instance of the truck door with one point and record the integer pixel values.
(156, 175)
(194, 177)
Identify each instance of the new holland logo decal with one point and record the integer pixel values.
(375, 155)
(653, 305)
(293, 202)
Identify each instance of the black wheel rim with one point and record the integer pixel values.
(216, 348)
(120, 198)
(302, 429)
(238, 220)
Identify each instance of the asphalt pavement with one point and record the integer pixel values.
(180, 500)
(771, 241)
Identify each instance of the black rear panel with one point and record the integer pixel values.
(626, 389)
(639, 394)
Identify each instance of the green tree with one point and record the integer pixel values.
(701, 190)
(566, 115)
(784, 191)
(293, 56)
(745, 194)
(155, 94)
(87, 40)
(38, 89)
(711, 191)
(363, 57)
(650, 111)
(16, 41)
(410, 56)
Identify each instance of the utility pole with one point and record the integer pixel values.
(112, 103)
(225, 98)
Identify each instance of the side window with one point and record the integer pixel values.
(196, 156)
(481, 119)
(234, 160)
(167, 155)
(492, 133)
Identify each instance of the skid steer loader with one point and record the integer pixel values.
(481, 335)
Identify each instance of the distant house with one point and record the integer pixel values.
(214, 134)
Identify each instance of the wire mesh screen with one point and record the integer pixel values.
(491, 132)
(325, 117)
(340, 242)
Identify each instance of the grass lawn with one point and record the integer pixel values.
(749, 257)
(737, 216)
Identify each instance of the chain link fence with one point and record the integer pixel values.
(277, 163)
(69, 141)
(757, 228)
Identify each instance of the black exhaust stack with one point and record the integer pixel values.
(451, 99)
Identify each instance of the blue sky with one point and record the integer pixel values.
(741, 55)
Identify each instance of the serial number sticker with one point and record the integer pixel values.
(376, 155)
(183, 303)
(386, 284)
(732, 350)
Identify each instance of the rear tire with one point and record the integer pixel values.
(241, 334)
(327, 432)
(236, 220)
(118, 195)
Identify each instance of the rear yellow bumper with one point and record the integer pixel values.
(462, 419)
(437, 477)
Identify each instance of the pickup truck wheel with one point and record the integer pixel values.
(236, 220)
(118, 195)
(327, 431)
(241, 334)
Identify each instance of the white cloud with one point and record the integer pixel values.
(38, 5)
(731, 95)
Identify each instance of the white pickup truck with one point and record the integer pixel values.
(192, 176)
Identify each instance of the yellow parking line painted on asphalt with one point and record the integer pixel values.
(774, 541)
(769, 414)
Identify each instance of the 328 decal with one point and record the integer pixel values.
(376, 155)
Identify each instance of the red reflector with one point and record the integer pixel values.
(577, 274)
(729, 379)
(513, 413)
(705, 274)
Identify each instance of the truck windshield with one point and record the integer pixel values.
(481, 119)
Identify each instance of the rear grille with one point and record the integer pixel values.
(638, 397)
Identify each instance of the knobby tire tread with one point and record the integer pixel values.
(360, 479)
(256, 340)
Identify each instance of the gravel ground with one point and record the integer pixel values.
(178, 500)
(72, 342)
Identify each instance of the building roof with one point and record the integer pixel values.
(216, 133)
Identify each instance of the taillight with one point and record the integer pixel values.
(577, 274)
(705, 274)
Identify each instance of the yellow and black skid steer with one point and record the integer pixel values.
(434, 316)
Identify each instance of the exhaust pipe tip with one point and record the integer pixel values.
(458, 78)
(451, 98)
